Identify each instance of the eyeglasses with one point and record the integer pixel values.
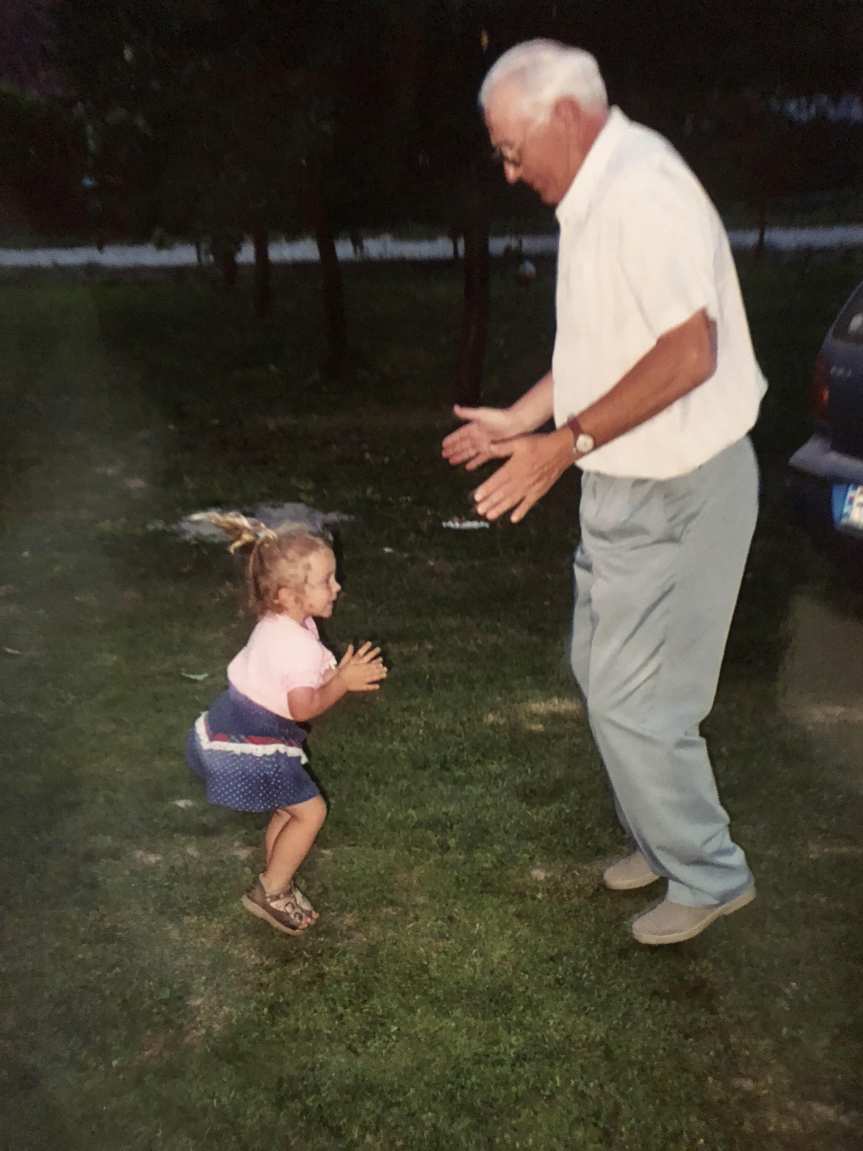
(509, 156)
(506, 156)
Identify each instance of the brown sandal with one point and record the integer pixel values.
(281, 911)
(302, 902)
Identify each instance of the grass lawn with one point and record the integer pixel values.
(470, 984)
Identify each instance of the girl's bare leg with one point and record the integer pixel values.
(278, 819)
(292, 843)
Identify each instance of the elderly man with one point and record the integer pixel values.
(653, 388)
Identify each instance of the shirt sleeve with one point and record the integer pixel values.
(303, 662)
(666, 249)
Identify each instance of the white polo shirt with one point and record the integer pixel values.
(641, 250)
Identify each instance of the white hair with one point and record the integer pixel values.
(546, 71)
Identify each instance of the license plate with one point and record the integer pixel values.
(851, 513)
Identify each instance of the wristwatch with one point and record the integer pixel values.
(584, 442)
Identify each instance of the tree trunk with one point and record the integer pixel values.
(760, 243)
(332, 287)
(228, 265)
(454, 234)
(474, 331)
(263, 286)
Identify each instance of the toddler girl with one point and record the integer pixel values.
(248, 748)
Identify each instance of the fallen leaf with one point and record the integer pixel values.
(461, 525)
(197, 676)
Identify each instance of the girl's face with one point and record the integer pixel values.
(318, 596)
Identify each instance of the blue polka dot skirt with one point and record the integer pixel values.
(249, 758)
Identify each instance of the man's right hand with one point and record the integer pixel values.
(471, 444)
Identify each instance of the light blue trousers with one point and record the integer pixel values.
(657, 574)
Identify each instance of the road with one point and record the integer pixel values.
(380, 247)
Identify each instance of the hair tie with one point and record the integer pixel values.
(263, 534)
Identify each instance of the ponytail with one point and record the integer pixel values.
(243, 531)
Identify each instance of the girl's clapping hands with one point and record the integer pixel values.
(362, 669)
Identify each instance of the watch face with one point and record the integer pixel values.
(583, 444)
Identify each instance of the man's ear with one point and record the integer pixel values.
(567, 111)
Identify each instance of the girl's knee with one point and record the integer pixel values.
(313, 810)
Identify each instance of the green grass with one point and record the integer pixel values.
(470, 984)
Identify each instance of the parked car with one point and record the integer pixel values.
(826, 474)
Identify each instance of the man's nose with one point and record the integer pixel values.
(511, 172)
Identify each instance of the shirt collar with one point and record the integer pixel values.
(578, 196)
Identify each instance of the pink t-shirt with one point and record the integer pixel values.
(281, 655)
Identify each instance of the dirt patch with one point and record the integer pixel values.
(820, 680)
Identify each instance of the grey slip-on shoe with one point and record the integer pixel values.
(674, 923)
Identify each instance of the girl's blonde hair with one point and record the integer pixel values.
(278, 557)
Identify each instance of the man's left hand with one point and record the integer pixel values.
(535, 464)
